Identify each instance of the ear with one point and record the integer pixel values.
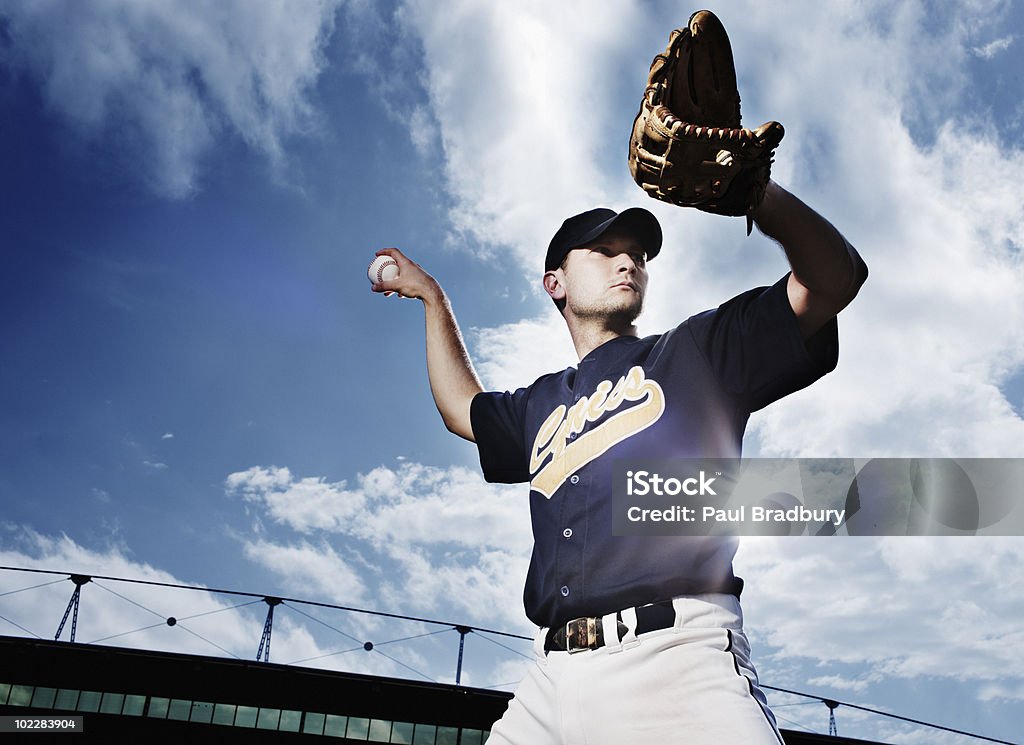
(553, 284)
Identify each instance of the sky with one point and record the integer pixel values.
(197, 386)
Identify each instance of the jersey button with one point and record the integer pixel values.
(574, 479)
(567, 532)
(565, 591)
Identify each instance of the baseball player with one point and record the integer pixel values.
(656, 621)
(640, 639)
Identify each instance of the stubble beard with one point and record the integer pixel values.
(613, 315)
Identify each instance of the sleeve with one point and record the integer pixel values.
(754, 346)
(498, 428)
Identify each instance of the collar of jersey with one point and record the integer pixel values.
(613, 341)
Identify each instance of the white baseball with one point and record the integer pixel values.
(383, 269)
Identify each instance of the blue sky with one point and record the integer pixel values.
(197, 386)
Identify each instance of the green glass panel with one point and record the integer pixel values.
(425, 734)
(245, 716)
(224, 714)
(268, 718)
(134, 705)
(179, 709)
(67, 699)
(314, 724)
(43, 697)
(290, 720)
(358, 728)
(335, 725)
(89, 701)
(380, 730)
(158, 707)
(484, 735)
(471, 737)
(21, 695)
(401, 733)
(202, 712)
(5, 691)
(447, 736)
(112, 703)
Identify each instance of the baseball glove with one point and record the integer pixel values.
(688, 147)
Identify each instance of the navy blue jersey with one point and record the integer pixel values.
(686, 393)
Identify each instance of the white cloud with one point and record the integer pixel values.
(101, 495)
(877, 603)
(515, 354)
(417, 503)
(423, 538)
(906, 734)
(519, 93)
(503, 676)
(919, 627)
(1002, 692)
(422, 130)
(317, 569)
(990, 50)
(305, 505)
(839, 682)
(166, 80)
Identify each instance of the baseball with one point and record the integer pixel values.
(383, 269)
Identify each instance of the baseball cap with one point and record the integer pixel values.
(588, 226)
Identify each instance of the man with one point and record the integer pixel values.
(641, 639)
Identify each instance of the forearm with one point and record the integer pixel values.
(453, 382)
(823, 261)
(827, 271)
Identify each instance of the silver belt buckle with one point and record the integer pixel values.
(581, 635)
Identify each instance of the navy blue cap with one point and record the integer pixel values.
(585, 227)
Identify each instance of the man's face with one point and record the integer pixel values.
(606, 278)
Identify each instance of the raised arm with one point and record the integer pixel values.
(453, 382)
(827, 271)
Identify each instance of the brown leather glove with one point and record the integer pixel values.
(687, 146)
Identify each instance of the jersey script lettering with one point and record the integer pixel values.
(553, 437)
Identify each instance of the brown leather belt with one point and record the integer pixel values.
(582, 634)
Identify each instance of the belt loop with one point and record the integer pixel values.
(678, 605)
(610, 628)
(629, 618)
(539, 643)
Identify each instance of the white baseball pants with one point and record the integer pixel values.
(691, 684)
